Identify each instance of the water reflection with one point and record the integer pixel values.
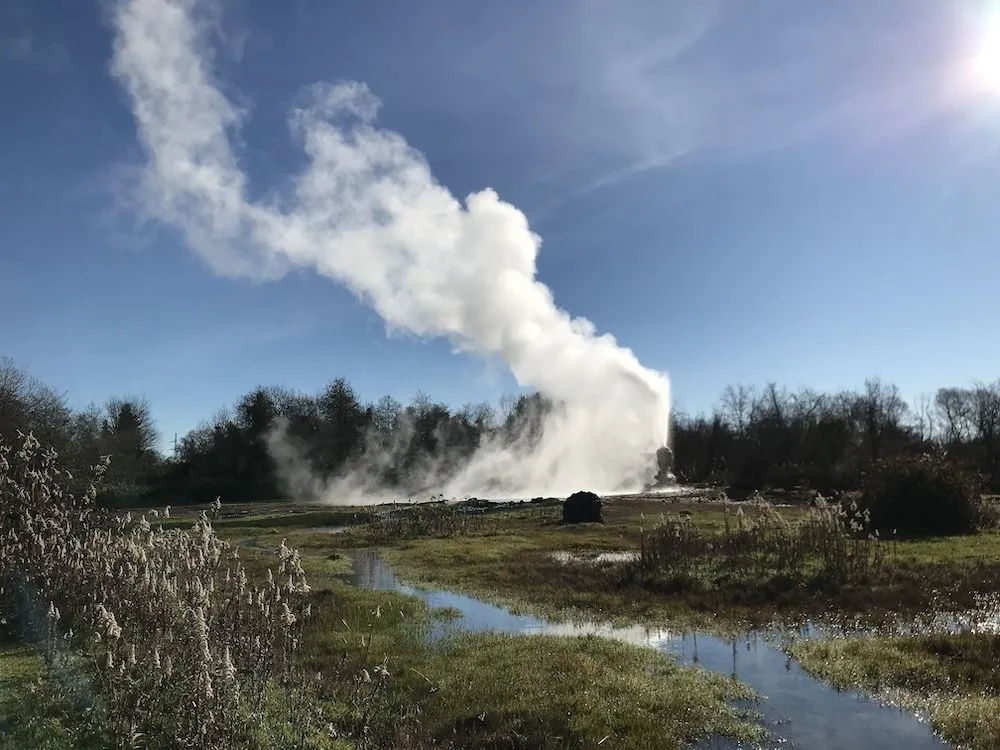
(800, 712)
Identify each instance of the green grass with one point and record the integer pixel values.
(275, 519)
(33, 713)
(464, 691)
(499, 691)
(542, 691)
(20, 666)
(507, 559)
(954, 551)
(954, 677)
(487, 690)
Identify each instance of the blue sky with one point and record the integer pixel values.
(801, 192)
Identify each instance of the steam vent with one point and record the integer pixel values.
(665, 465)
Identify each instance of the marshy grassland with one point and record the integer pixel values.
(724, 568)
(20, 666)
(239, 626)
(952, 677)
(378, 682)
(783, 563)
(494, 690)
(151, 631)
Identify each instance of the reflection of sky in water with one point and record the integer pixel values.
(800, 711)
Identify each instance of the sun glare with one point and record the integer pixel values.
(986, 61)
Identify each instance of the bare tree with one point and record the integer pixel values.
(386, 414)
(954, 414)
(738, 406)
(28, 405)
(985, 408)
(879, 411)
(486, 415)
(807, 405)
(505, 407)
(924, 417)
(422, 403)
(481, 415)
(774, 403)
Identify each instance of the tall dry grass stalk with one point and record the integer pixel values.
(421, 521)
(831, 542)
(173, 641)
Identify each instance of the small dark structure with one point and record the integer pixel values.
(582, 507)
(665, 466)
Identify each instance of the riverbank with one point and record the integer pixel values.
(524, 557)
(951, 677)
(473, 690)
(374, 679)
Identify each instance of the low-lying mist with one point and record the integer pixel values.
(367, 213)
(425, 451)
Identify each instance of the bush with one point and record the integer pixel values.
(122, 495)
(921, 497)
(171, 637)
(425, 519)
(829, 544)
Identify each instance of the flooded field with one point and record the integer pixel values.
(847, 641)
(798, 710)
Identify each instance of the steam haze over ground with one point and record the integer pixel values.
(368, 213)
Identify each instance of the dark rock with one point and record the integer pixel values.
(582, 507)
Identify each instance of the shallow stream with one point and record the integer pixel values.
(799, 711)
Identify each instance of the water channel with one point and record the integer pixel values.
(799, 711)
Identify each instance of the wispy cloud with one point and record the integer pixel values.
(221, 337)
(605, 180)
(26, 50)
(671, 79)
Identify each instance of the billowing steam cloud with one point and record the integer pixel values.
(368, 213)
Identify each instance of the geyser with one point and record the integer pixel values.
(367, 213)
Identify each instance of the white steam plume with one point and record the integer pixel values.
(368, 213)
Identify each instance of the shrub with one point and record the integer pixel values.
(430, 519)
(122, 495)
(926, 496)
(830, 543)
(164, 629)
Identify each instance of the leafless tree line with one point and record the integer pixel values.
(758, 436)
(754, 437)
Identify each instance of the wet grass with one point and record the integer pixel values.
(507, 558)
(953, 677)
(462, 691)
(20, 666)
(295, 517)
(32, 713)
(499, 691)
(544, 691)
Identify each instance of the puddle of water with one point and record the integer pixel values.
(801, 712)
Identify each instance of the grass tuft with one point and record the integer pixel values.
(953, 677)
